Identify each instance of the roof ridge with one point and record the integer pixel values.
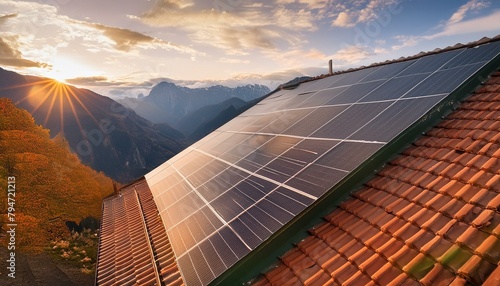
(421, 54)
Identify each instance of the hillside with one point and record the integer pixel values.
(106, 135)
(187, 109)
(52, 186)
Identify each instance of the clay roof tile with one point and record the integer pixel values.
(386, 274)
(494, 278)
(490, 249)
(438, 275)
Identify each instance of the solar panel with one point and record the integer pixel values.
(224, 196)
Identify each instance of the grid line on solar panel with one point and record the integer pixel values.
(277, 209)
(263, 177)
(444, 81)
(193, 235)
(197, 194)
(336, 139)
(384, 129)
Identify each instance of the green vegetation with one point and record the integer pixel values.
(52, 186)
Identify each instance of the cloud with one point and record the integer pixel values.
(343, 20)
(235, 27)
(460, 14)
(5, 17)
(10, 56)
(456, 25)
(405, 41)
(310, 4)
(233, 61)
(361, 11)
(482, 24)
(351, 54)
(92, 81)
(125, 39)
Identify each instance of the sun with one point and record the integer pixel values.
(65, 68)
(54, 101)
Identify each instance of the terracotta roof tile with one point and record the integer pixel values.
(455, 257)
(452, 207)
(476, 269)
(455, 230)
(472, 238)
(419, 239)
(403, 256)
(390, 247)
(494, 278)
(451, 187)
(419, 266)
(361, 255)
(344, 272)
(459, 281)
(373, 264)
(359, 278)
(319, 278)
(494, 203)
(490, 249)
(387, 274)
(378, 240)
(334, 262)
(438, 275)
(436, 222)
(467, 192)
(492, 165)
(436, 247)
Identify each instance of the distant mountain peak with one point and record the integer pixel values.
(173, 104)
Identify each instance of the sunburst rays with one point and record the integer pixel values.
(52, 98)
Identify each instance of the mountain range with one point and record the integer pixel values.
(103, 133)
(190, 109)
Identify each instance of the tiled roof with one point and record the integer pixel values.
(134, 248)
(431, 216)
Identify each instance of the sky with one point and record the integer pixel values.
(124, 47)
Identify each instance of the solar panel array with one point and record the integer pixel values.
(225, 195)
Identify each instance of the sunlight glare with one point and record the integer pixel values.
(63, 68)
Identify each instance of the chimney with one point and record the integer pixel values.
(115, 189)
(330, 67)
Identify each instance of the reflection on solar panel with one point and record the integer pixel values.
(224, 196)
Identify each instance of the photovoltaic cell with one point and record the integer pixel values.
(387, 71)
(394, 88)
(393, 121)
(479, 54)
(444, 81)
(221, 198)
(430, 63)
(314, 120)
(353, 77)
(355, 92)
(347, 122)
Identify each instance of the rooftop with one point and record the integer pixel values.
(430, 215)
